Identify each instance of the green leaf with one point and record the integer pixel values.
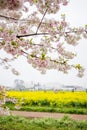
(31, 41)
(78, 66)
(63, 15)
(61, 28)
(86, 26)
(43, 55)
(21, 39)
(10, 31)
(1, 29)
(35, 1)
(2, 43)
(14, 43)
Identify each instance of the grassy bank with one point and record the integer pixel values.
(72, 110)
(20, 123)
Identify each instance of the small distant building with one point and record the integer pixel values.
(19, 85)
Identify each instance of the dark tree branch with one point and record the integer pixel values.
(2, 16)
(33, 34)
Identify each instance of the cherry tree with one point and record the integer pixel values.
(38, 37)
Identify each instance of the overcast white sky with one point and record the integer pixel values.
(76, 16)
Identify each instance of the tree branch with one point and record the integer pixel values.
(41, 20)
(3, 16)
(33, 34)
(52, 60)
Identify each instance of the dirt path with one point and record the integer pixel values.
(47, 114)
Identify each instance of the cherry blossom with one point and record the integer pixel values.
(4, 111)
(11, 4)
(36, 37)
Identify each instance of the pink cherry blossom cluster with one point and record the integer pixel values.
(41, 4)
(6, 65)
(13, 100)
(53, 6)
(4, 111)
(63, 52)
(11, 4)
(80, 70)
(2, 95)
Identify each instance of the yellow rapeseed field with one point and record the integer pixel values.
(50, 98)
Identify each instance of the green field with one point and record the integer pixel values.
(20, 123)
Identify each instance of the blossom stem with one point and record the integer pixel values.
(6, 17)
(41, 20)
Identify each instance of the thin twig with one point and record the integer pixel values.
(41, 20)
(55, 61)
(3, 16)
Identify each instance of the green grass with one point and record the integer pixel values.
(72, 110)
(20, 123)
